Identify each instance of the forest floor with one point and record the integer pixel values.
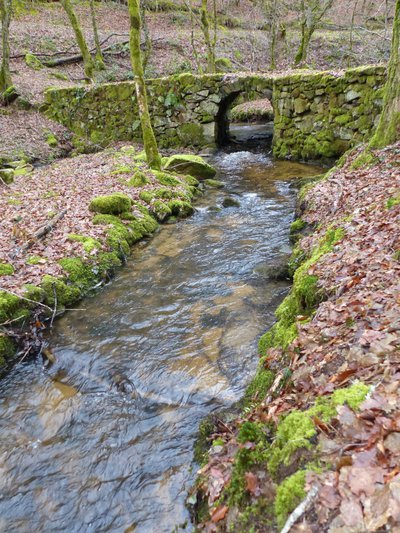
(348, 456)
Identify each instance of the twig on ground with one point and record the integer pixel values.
(41, 232)
(300, 509)
(55, 305)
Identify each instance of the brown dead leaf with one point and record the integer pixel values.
(219, 513)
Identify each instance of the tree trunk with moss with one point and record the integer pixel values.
(5, 76)
(209, 41)
(88, 64)
(149, 139)
(99, 54)
(388, 130)
(312, 11)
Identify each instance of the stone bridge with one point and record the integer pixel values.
(316, 114)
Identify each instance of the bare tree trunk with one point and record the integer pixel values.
(388, 130)
(99, 54)
(83, 47)
(5, 76)
(149, 140)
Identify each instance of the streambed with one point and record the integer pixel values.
(103, 439)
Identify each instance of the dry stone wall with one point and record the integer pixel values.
(316, 114)
(322, 115)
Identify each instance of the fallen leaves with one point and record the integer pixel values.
(354, 335)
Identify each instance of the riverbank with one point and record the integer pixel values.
(321, 416)
(68, 226)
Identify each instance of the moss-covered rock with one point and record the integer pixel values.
(7, 175)
(6, 269)
(33, 62)
(111, 204)
(214, 184)
(8, 348)
(193, 165)
(138, 179)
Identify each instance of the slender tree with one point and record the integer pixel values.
(88, 64)
(388, 130)
(99, 54)
(210, 34)
(149, 140)
(146, 33)
(5, 76)
(312, 12)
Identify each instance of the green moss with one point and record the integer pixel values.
(34, 293)
(165, 194)
(296, 430)
(9, 306)
(259, 386)
(138, 179)
(51, 139)
(190, 164)
(6, 269)
(120, 235)
(295, 230)
(112, 204)
(78, 272)
(288, 496)
(191, 134)
(35, 260)
(304, 297)
(66, 294)
(161, 210)
(247, 458)
(392, 202)
(366, 158)
(166, 178)
(146, 196)
(8, 348)
(214, 184)
(33, 62)
(297, 225)
(190, 180)
(89, 244)
(180, 208)
(202, 443)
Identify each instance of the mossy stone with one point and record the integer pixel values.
(193, 165)
(111, 204)
(214, 184)
(7, 175)
(6, 269)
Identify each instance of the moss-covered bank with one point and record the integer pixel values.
(265, 459)
(125, 219)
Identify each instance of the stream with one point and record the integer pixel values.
(102, 440)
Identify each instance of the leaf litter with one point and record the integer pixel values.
(353, 336)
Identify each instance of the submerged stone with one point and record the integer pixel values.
(228, 201)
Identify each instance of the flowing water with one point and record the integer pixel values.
(103, 439)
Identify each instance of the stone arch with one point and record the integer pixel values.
(228, 101)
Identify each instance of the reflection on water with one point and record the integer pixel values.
(102, 441)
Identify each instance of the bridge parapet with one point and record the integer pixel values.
(317, 114)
